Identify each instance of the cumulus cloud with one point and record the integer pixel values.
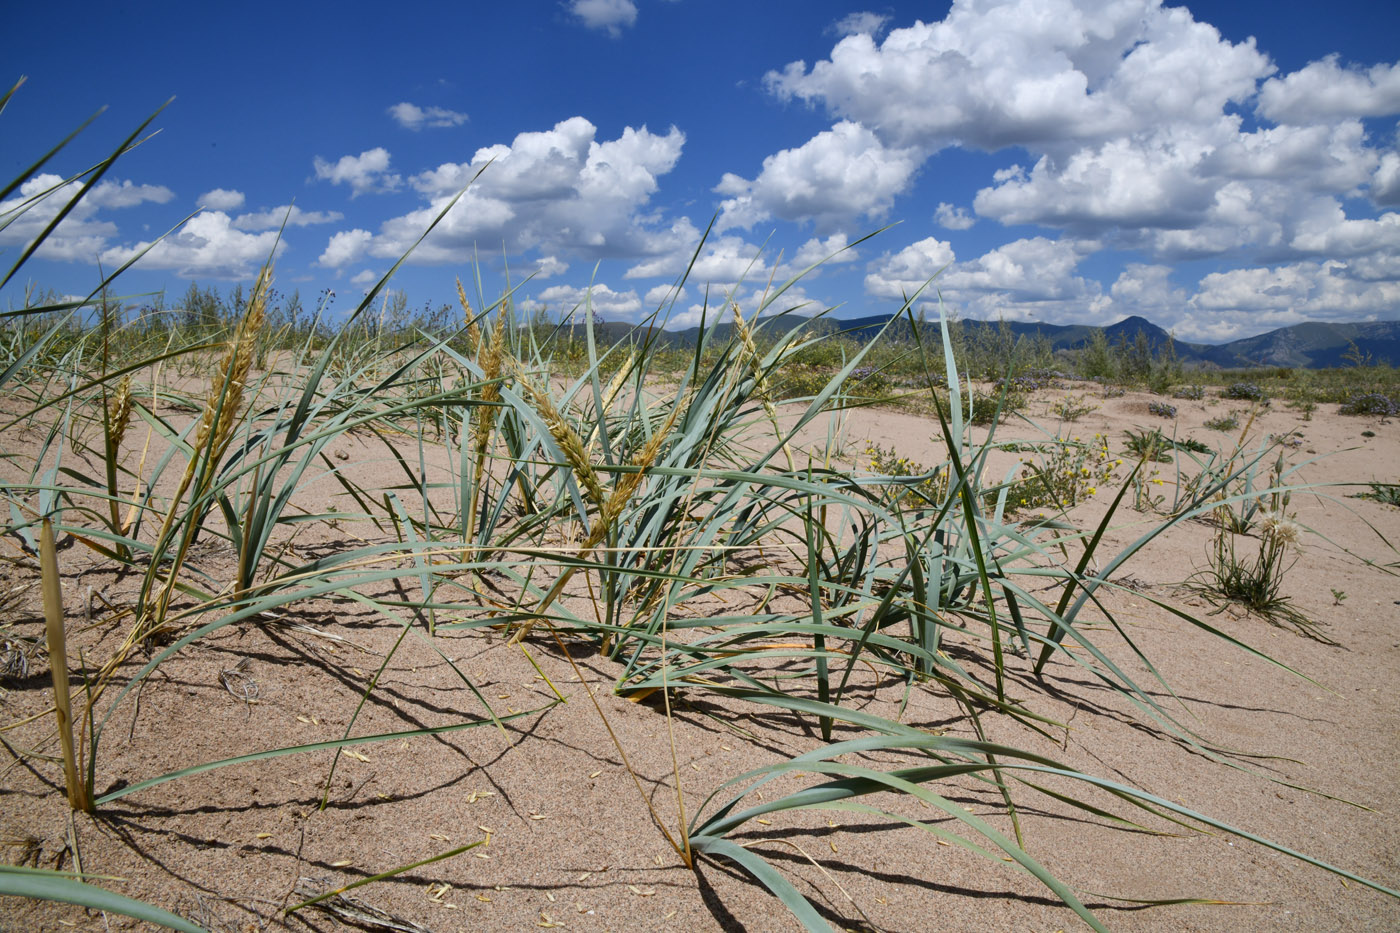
(549, 266)
(413, 117)
(723, 263)
(83, 235)
(1385, 184)
(1324, 91)
(1027, 279)
(344, 248)
(1130, 112)
(953, 218)
(1254, 299)
(608, 15)
(207, 246)
(366, 172)
(606, 303)
(221, 199)
(995, 74)
(903, 273)
(293, 215)
(556, 191)
(364, 278)
(838, 175)
(658, 295)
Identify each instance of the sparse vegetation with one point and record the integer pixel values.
(657, 520)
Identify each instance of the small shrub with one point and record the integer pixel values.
(889, 463)
(1161, 409)
(1073, 407)
(1190, 393)
(1114, 392)
(985, 407)
(1071, 471)
(1371, 404)
(1245, 392)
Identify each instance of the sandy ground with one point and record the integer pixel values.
(571, 843)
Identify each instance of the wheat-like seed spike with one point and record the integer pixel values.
(119, 408)
(570, 444)
(473, 332)
(610, 512)
(492, 365)
(626, 485)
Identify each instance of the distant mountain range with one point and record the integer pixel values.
(1311, 345)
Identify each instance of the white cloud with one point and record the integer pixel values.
(344, 248)
(1250, 300)
(207, 246)
(364, 278)
(606, 303)
(834, 250)
(837, 175)
(1129, 111)
(905, 272)
(1323, 91)
(1028, 279)
(366, 172)
(556, 191)
(550, 266)
(221, 199)
(1329, 233)
(82, 236)
(854, 24)
(413, 117)
(950, 217)
(1385, 184)
(293, 215)
(994, 74)
(658, 295)
(608, 15)
(722, 264)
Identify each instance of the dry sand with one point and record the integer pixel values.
(571, 841)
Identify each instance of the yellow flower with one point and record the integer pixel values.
(1092, 490)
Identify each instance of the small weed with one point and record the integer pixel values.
(1150, 445)
(1070, 471)
(931, 489)
(1227, 423)
(1338, 596)
(1255, 583)
(1384, 493)
(1190, 393)
(1161, 409)
(1073, 407)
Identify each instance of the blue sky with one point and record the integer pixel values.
(1222, 168)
